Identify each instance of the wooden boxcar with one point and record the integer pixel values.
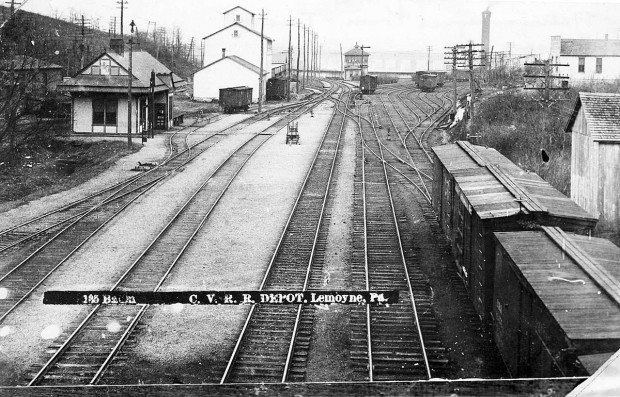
(368, 84)
(477, 191)
(277, 88)
(556, 305)
(428, 82)
(441, 76)
(234, 99)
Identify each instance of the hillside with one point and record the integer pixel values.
(73, 45)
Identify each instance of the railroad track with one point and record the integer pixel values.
(27, 268)
(398, 342)
(84, 356)
(274, 342)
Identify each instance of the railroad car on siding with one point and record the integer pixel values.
(235, 99)
(428, 82)
(277, 88)
(368, 84)
(556, 305)
(477, 191)
(441, 76)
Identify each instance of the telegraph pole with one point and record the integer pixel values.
(298, 49)
(288, 86)
(341, 65)
(548, 78)
(260, 77)
(428, 62)
(467, 56)
(132, 24)
(122, 4)
(362, 64)
(452, 55)
(303, 76)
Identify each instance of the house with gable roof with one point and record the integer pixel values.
(99, 94)
(588, 59)
(232, 57)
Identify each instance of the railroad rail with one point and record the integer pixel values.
(271, 345)
(84, 356)
(27, 269)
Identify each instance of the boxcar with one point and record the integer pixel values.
(556, 305)
(368, 84)
(234, 99)
(441, 77)
(277, 88)
(428, 82)
(477, 191)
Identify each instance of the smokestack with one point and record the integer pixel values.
(486, 30)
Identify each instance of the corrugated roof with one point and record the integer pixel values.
(601, 110)
(240, 25)
(589, 47)
(495, 187)
(569, 293)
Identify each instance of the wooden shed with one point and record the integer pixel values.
(556, 305)
(477, 191)
(595, 157)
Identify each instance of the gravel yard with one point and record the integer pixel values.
(99, 263)
(230, 253)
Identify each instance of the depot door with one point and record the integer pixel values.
(160, 116)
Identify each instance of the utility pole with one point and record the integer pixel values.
(341, 63)
(132, 24)
(428, 62)
(548, 78)
(467, 56)
(260, 77)
(452, 55)
(298, 49)
(288, 87)
(303, 76)
(362, 64)
(311, 62)
(122, 4)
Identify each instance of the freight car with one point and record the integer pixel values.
(234, 99)
(428, 82)
(557, 302)
(277, 89)
(441, 76)
(368, 84)
(477, 191)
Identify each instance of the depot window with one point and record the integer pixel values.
(104, 111)
(599, 65)
(582, 65)
(235, 33)
(238, 18)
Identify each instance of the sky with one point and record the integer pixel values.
(387, 25)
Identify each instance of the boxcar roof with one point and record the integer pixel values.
(576, 277)
(495, 187)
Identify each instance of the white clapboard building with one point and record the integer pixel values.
(588, 59)
(232, 57)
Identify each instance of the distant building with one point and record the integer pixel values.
(232, 57)
(43, 76)
(595, 158)
(99, 94)
(355, 63)
(588, 59)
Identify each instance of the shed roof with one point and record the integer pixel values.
(601, 111)
(589, 47)
(574, 295)
(495, 187)
(240, 25)
(142, 65)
